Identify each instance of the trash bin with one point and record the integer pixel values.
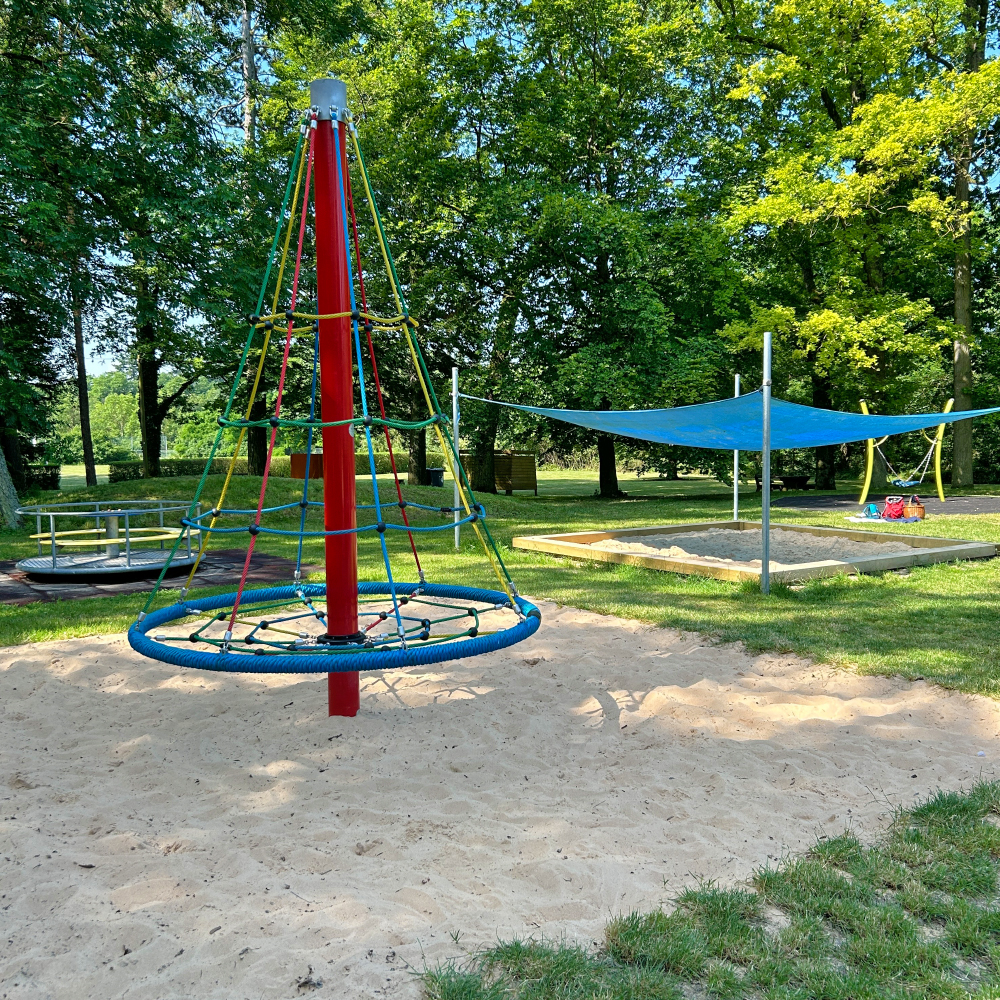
(435, 477)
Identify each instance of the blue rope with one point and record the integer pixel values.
(361, 381)
(261, 530)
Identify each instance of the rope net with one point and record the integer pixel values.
(285, 628)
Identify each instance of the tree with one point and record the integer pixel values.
(9, 502)
(871, 112)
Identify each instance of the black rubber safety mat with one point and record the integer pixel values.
(218, 568)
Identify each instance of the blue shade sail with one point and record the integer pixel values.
(735, 424)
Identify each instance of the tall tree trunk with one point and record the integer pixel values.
(607, 467)
(417, 474)
(249, 57)
(83, 393)
(257, 437)
(976, 21)
(8, 496)
(148, 363)
(149, 423)
(606, 462)
(482, 476)
(961, 443)
(16, 467)
(826, 455)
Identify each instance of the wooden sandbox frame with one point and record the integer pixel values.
(926, 550)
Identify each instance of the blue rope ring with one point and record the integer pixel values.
(332, 662)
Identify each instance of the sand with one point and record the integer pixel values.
(168, 834)
(721, 546)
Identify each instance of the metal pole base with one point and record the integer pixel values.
(345, 693)
(354, 639)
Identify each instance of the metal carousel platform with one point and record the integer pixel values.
(117, 538)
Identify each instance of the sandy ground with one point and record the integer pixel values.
(742, 548)
(177, 834)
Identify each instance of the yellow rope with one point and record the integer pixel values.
(385, 320)
(207, 534)
(446, 451)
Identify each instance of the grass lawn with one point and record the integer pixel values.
(912, 916)
(74, 477)
(937, 622)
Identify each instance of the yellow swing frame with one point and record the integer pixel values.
(935, 441)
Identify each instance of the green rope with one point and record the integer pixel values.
(239, 371)
(423, 364)
(399, 425)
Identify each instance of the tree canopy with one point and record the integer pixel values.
(593, 203)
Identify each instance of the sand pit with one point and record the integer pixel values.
(742, 548)
(177, 834)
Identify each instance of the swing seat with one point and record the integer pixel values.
(903, 483)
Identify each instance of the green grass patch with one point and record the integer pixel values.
(914, 915)
(937, 622)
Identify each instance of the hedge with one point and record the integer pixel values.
(120, 472)
(43, 477)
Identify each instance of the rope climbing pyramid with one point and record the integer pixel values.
(340, 627)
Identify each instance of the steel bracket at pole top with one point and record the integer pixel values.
(329, 97)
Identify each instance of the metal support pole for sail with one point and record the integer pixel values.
(736, 471)
(765, 472)
(454, 432)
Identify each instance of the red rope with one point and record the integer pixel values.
(378, 384)
(281, 385)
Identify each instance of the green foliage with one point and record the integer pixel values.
(121, 472)
(591, 204)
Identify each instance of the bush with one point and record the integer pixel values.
(281, 466)
(120, 472)
(43, 477)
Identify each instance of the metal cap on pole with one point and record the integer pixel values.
(765, 514)
(326, 94)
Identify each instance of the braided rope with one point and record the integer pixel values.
(335, 660)
(310, 655)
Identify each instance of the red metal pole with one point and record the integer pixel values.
(337, 392)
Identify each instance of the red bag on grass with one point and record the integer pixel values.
(893, 509)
